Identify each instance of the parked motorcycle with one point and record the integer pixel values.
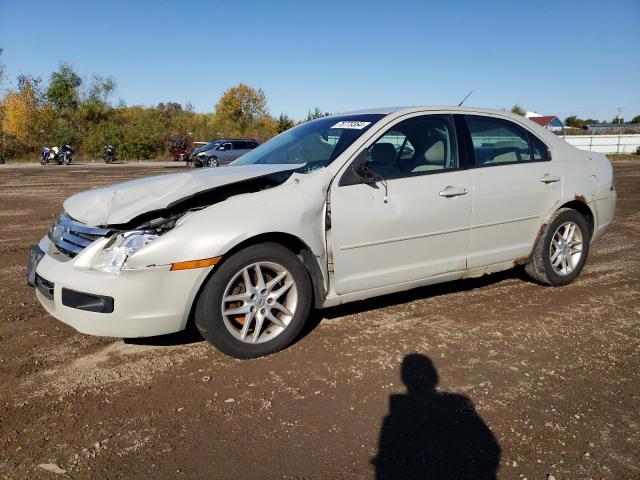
(109, 154)
(62, 155)
(46, 155)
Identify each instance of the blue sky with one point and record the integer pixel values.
(555, 57)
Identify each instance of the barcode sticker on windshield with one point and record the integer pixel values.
(353, 125)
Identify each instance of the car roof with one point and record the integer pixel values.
(540, 131)
(423, 108)
(235, 140)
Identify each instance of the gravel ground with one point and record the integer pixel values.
(480, 378)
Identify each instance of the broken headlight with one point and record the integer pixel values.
(113, 256)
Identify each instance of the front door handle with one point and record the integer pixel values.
(548, 178)
(451, 191)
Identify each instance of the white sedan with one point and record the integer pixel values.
(335, 210)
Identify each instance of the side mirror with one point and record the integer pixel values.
(221, 148)
(364, 172)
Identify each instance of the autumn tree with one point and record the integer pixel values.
(239, 108)
(25, 117)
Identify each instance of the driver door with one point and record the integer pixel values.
(412, 220)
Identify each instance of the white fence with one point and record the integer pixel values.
(605, 143)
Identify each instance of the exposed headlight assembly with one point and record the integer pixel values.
(114, 255)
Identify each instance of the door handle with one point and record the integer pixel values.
(548, 178)
(450, 191)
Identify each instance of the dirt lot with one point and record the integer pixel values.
(512, 377)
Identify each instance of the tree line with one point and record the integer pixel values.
(66, 110)
(573, 121)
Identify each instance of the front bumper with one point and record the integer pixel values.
(144, 302)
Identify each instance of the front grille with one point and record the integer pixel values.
(71, 236)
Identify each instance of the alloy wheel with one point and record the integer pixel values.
(259, 302)
(565, 250)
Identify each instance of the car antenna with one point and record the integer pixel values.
(463, 100)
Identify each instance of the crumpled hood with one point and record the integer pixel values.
(119, 203)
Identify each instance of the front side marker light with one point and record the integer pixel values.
(188, 265)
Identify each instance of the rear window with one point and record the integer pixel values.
(497, 141)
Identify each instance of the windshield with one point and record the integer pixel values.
(316, 143)
(209, 146)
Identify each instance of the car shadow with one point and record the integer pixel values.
(185, 337)
(431, 434)
(430, 291)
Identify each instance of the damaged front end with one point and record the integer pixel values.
(70, 236)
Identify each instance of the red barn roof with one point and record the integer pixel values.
(544, 121)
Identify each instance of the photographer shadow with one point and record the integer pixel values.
(431, 435)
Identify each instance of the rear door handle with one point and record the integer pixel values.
(451, 191)
(548, 178)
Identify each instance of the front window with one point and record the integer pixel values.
(416, 146)
(315, 144)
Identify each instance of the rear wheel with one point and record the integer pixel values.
(562, 250)
(256, 303)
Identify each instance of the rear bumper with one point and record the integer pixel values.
(133, 303)
(605, 209)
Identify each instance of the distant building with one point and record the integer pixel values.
(612, 127)
(550, 122)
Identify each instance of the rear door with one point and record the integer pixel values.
(239, 149)
(516, 183)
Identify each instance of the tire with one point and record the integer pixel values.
(43, 161)
(212, 162)
(225, 330)
(540, 267)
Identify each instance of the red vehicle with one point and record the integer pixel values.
(179, 154)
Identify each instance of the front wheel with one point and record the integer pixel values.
(561, 251)
(212, 162)
(256, 303)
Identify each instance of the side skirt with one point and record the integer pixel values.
(334, 299)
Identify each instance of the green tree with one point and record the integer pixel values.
(95, 106)
(573, 121)
(63, 89)
(518, 110)
(2, 71)
(284, 123)
(636, 119)
(315, 114)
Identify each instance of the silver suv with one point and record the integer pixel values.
(222, 152)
